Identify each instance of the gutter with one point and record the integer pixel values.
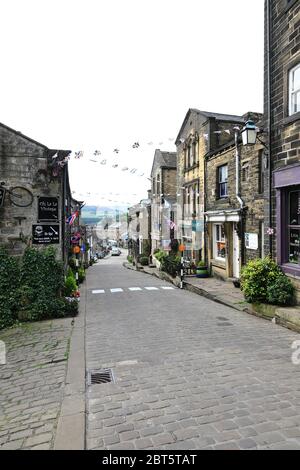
(237, 193)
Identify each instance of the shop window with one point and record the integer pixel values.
(219, 242)
(294, 227)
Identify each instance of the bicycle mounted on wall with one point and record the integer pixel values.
(18, 195)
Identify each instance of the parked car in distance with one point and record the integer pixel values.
(95, 259)
(115, 251)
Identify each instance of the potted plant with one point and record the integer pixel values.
(202, 270)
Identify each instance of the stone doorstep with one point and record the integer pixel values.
(288, 317)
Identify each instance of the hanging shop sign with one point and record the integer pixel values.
(45, 234)
(47, 209)
(76, 249)
(251, 241)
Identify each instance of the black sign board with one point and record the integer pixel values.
(45, 234)
(47, 209)
(2, 196)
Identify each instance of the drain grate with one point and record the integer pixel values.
(224, 324)
(101, 376)
(223, 318)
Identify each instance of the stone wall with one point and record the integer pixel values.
(24, 162)
(250, 190)
(285, 129)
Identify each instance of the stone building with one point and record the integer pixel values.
(200, 134)
(282, 126)
(234, 207)
(139, 229)
(163, 200)
(37, 214)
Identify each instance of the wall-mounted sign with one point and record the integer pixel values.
(45, 234)
(2, 196)
(47, 209)
(251, 241)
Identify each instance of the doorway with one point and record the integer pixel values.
(235, 254)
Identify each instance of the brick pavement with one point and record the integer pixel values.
(32, 383)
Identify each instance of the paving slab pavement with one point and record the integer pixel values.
(32, 383)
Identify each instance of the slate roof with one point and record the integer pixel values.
(164, 159)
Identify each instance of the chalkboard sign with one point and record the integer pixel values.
(48, 209)
(2, 196)
(45, 234)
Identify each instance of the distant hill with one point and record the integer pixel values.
(94, 214)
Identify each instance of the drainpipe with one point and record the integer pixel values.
(269, 121)
(237, 192)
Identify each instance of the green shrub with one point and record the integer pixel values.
(170, 264)
(81, 274)
(70, 307)
(70, 284)
(144, 260)
(259, 279)
(160, 254)
(9, 286)
(129, 258)
(201, 264)
(281, 292)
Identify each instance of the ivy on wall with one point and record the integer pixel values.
(31, 287)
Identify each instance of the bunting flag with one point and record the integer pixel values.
(70, 220)
(135, 145)
(116, 150)
(97, 152)
(78, 154)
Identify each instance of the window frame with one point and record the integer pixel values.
(221, 183)
(219, 239)
(291, 92)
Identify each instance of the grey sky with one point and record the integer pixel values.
(94, 74)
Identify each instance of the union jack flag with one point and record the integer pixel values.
(70, 220)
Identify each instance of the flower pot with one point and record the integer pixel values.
(202, 272)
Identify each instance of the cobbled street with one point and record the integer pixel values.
(188, 373)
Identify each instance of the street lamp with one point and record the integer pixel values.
(249, 133)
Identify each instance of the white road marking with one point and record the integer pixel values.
(132, 289)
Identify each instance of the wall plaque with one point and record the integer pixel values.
(47, 209)
(45, 234)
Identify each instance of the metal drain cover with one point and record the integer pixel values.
(223, 318)
(224, 324)
(100, 376)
